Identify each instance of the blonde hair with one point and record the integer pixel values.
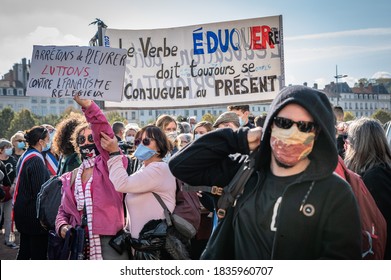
(368, 146)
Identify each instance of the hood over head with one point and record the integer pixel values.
(324, 155)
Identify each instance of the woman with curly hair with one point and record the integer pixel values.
(89, 199)
(62, 145)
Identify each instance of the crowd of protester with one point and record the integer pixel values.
(120, 169)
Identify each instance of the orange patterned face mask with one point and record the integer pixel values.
(290, 146)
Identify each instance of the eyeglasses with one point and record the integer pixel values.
(146, 141)
(81, 139)
(301, 125)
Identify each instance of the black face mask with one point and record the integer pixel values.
(88, 151)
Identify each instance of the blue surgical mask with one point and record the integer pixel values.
(21, 145)
(196, 136)
(241, 122)
(8, 152)
(51, 135)
(144, 153)
(47, 147)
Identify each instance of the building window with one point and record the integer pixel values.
(34, 100)
(52, 101)
(61, 101)
(44, 101)
(150, 112)
(133, 115)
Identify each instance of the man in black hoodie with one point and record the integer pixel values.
(293, 206)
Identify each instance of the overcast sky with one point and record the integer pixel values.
(318, 35)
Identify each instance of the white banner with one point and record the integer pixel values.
(201, 65)
(90, 72)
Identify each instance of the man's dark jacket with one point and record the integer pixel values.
(331, 231)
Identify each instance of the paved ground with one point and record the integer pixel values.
(6, 253)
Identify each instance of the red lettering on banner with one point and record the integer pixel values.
(66, 71)
(260, 37)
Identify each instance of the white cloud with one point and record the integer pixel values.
(52, 36)
(343, 34)
(317, 53)
(22, 47)
(381, 74)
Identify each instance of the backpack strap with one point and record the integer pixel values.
(73, 176)
(235, 188)
(213, 190)
(167, 213)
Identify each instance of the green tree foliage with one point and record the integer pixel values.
(209, 117)
(6, 116)
(69, 110)
(382, 115)
(181, 118)
(348, 116)
(23, 120)
(48, 119)
(114, 116)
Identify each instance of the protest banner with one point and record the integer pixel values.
(200, 65)
(64, 71)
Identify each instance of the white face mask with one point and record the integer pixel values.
(172, 135)
(196, 136)
(129, 139)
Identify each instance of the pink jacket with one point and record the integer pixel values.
(108, 211)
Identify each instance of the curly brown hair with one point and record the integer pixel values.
(64, 130)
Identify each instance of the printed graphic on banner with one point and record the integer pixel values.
(221, 63)
(65, 71)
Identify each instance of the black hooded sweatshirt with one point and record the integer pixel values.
(332, 229)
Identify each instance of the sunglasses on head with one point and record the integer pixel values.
(81, 139)
(146, 141)
(303, 126)
(43, 133)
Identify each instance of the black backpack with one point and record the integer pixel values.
(49, 199)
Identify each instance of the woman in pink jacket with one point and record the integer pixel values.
(91, 199)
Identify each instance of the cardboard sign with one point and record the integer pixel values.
(65, 71)
(210, 64)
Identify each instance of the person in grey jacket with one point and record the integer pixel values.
(293, 206)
